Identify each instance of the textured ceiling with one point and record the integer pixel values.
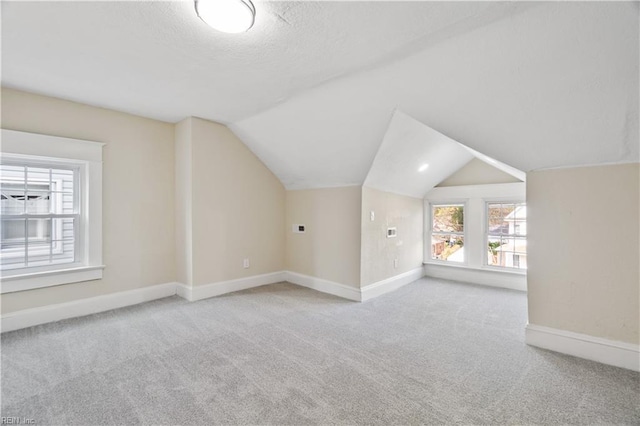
(553, 85)
(158, 59)
(311, 89)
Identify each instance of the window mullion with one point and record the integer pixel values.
(51, 211)
(41, 219)
(26, 242)
(41, 216)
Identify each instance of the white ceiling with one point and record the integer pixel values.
(553, 85)
(311, 89)
(158, 59)
(407, 146)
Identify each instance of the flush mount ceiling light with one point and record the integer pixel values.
(423, 168)
(229, 16)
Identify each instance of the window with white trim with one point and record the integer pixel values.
(40, 211)
(447, 232)
(507, 235)
(50, 215)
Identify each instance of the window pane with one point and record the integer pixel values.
(38, 175)
(62, 180)
(12, 257)
(497, 214)
(64, 251)
(13, 196)
(37, 190)
(8, 171)
(494, 254)
(519, 219)
(13, 232)
(12, 243)
(51, 241)
(507, 252)
(39, 231)
(38, 202)
(447, 247)
(448, 218)
(63, 244)
(507, 228)
(62, 229)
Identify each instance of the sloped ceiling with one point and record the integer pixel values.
(414, 158)
(555, 85)
(158, 59)
(313, 87)
(409, 145)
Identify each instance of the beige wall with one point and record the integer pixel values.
(184, 202)
(237, 208)
(330, 248)
(477, 172)
(583, 247)
(138, 193)
(379, 252)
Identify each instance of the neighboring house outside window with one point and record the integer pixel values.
(40, 209)
(447, 232)
(50, 187)
(506, 235)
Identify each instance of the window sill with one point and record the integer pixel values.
(475, 268)
(29, 281)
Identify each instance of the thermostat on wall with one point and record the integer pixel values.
(391, 232)
(298, 229)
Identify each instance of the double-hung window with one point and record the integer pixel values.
(507, 235)
(40, 213)
(447, 232)
(50, 218)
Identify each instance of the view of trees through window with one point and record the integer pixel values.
(447, 236)
(506, 236)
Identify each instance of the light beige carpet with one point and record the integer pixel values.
(432, 352)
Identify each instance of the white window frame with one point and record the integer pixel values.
(432, 204)
(79, 170)
(485, 231)
(87, 157)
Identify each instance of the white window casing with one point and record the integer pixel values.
(85, 158)
(475, 199)
(512, 254)
(432, 232)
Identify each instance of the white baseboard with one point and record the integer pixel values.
(618, 354)
(510, 280)
(391, 284)
(222, 287)
(51, 313)
(324, 286)
(184, 291)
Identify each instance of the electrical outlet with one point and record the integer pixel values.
(395, 263)
(245, 263)
(372, 215)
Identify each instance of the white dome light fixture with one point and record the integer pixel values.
(229, 16)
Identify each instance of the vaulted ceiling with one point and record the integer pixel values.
(312, 88)
(413, 158)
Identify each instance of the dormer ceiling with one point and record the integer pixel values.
(313, 87)
(413, 158)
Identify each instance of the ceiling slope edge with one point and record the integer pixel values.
(413, 158)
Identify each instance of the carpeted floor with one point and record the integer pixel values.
(432, 352)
